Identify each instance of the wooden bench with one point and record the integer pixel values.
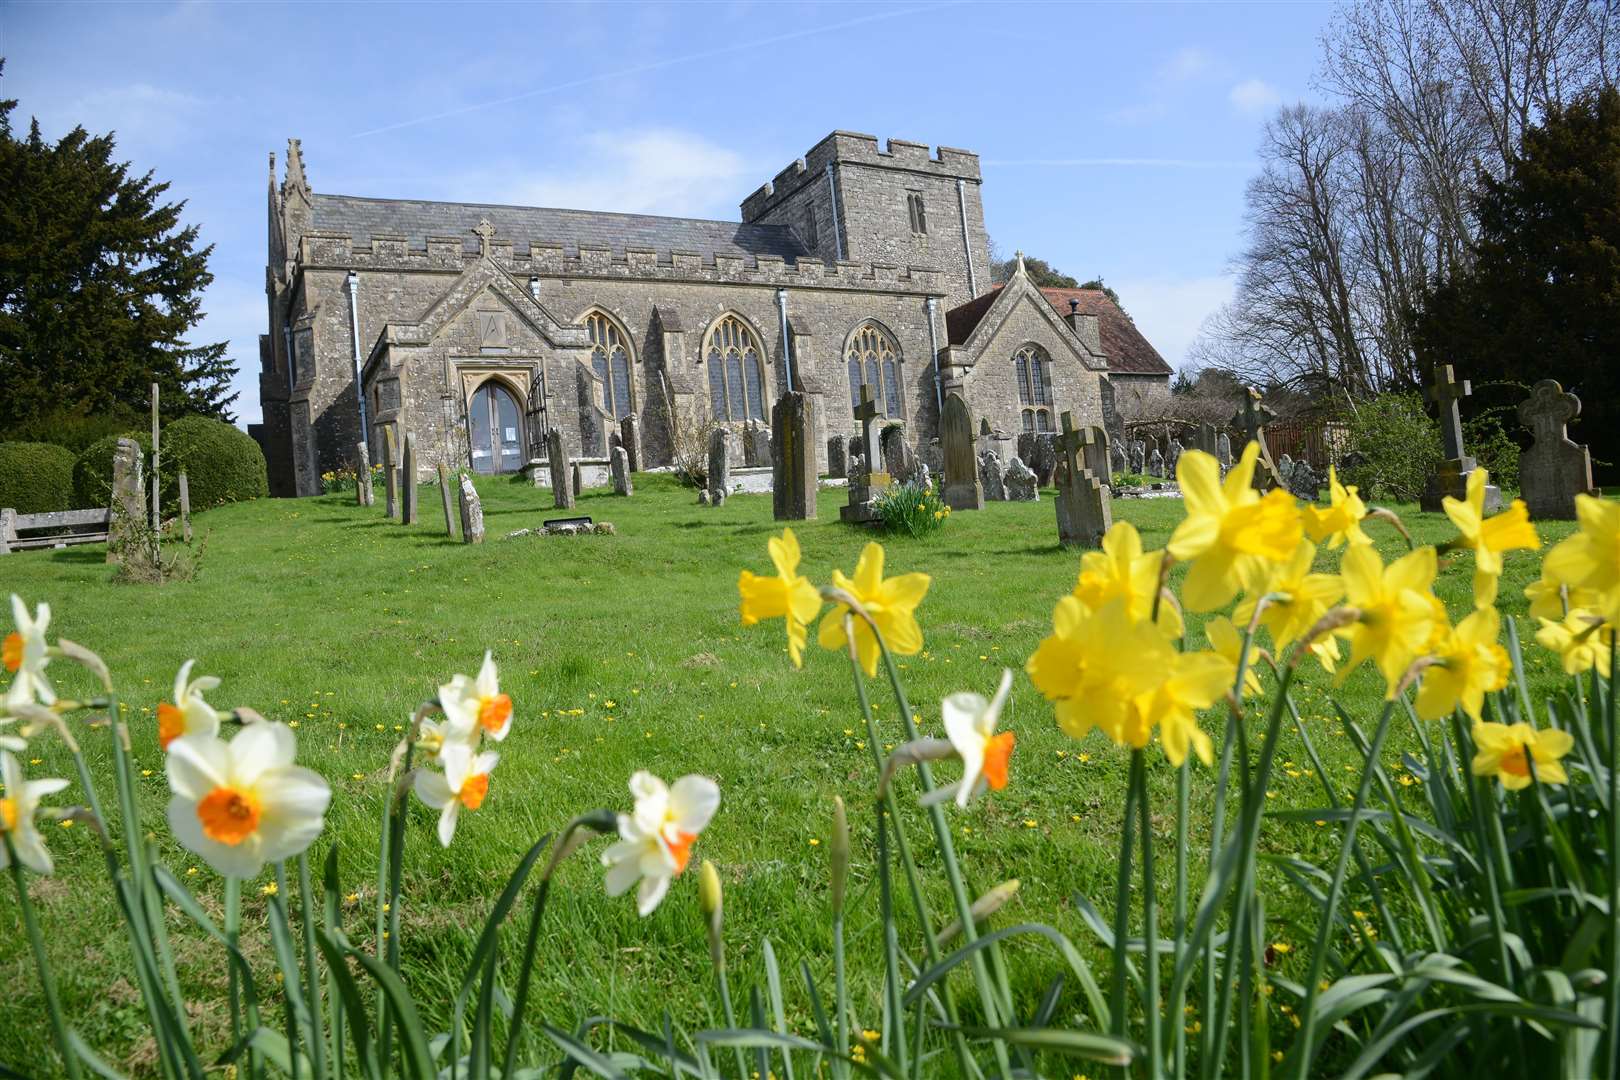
(21, 531)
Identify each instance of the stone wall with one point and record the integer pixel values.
(992, 381)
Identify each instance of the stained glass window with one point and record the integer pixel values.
(736, 372)
(874, 360)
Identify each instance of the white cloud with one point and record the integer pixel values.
(1136, 115)
(1254, 95)
(1188, 63)
(142, 115)
(660, 171)
(1169, 311)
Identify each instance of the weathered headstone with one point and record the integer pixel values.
(1138, 457)
(1223, 450)
(1204, 438)
(865, 487)
(407, 475)
(837, 460)
(363, 494)
(619, 464)
(1174, 456)
(1043, 457)
(630, 436)
(1116, 457)
(793, 463)
(185, 507)
(128, 509)
(1285, 466)
(1451, 476)
(963, 490)
(899, 460)
(984, 428)
(472, 513)
(1302, 481)
(990, 476)
(390, 473)
(1094, 454)
(444, 497)
(578, 478)
(750, 445)
(1084, 511)
(1021, 482)
(1155, 465)
(562, 483)
(719, 466)
(1252, 416)
(1556, 468)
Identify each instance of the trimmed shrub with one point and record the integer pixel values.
(222, 463)
(92, 470)
(75, 427)
(1398, 444)
(36, 478)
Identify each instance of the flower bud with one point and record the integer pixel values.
(710, 897)
(982, 908)
(839, 849)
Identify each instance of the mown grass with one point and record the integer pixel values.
(620, 653)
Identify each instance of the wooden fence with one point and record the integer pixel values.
(1320, 442)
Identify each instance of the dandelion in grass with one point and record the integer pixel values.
(1227, 641)
(1469, 664)
(1578, 641)
(1488, 538)
(243, 803)
(891, 603)
(1508, 752)
(464, 785)
(188, 714)
(789, 595)
(19, 803)
(1228, 525)
(656, 837)
(24, 654)
(476, 707)
(1121, 570)
(1195, 681)
(970, 724)
(1340, 521)
(1094, 665)
(1397, 612)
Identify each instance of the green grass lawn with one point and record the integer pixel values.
(620, 653)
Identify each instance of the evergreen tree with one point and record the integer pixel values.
(99, 286)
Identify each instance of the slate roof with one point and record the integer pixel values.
(1124, 347)
(417, 219)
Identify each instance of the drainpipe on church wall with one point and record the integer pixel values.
(933, 344)
(354, 323)
(832, 201)
(967, 241)
(787, 342)
(545, 396)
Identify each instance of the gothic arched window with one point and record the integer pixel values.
(610, 359)
(873, 360)
(736, 371)
(1034, 374)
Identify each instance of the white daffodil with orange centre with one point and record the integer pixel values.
(243, 803)
(23, 653)
(476, 707)
(970, 724)
(19, 801)
(656, 838)
(464, 785)
(188, 713)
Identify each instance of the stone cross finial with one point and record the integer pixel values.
(1071, 443)
(486, 233)
(866, 412)
(1446, 392)
(1252, 416)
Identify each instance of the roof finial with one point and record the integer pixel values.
(295, 168)
(1021, 271)
(486, 232)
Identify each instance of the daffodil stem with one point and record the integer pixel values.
(891, 944)
(36, 941)
(1178, 1002)
(1613, 725)
(1150, 922)
(1122, 908)
(717, 958)
(312, 986)
(840, 997)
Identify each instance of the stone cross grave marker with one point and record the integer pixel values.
(864, 489)
(1083, 510)
(865, 413)
(407, 480)
(1556, 468)
(1451, 476)
(962, 488)
(1447, 393)
(793, 464)
(472, 513)
(444, 497)
(1252, 416)
(562, 490)
(621, 472)
(390, 474)
(363, 495)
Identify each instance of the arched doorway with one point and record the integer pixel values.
(495, 429)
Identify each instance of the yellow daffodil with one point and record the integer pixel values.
(1340, 522)
(19, 802)
(23, 653)
(476, 707)
(243, 803)
(787, 596)
(1590, 558)
(970, 725)
(1095, 665)
(1551, 598)
(1578, 643)
(188, 714)
(1488, 538)
(1227, 641)
(464, 785)
(1122, 570)
(1501, 752)
(1228, 525)
(1396, 614)
(1300, 597)
(892, 605)
(1470, 664)
(656, 838)
(1196, 681)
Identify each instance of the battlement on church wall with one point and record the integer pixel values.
(854, 148)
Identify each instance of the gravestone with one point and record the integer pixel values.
(128, 507)
(1223, 450)
(1556, 468)
(1451, 477)
(793, 464)
(562, 486)
(578, 479)
(1084, 510)
(185, 508)
(1204, 438)
(898, 460)
(1285, 466)
(1173, 457)
(407, 478)
(620, 465)
(630, 437)
(984, 428)
(767, 450)
(444, 498)
(1252, 416)
(363, 494)
(390, 473)
(1302, 481)
(1138, 457)
(866, 486)
(719, 466)
(990, 476)
(1021, 482)
(1116, 457)
(1155, 465)
(837, 461)
(963, 490)
(857, 465)
(1094, 454)
(750, 444)
(1043, 457)
(472, 513)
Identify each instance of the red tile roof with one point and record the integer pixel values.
(1127, 351)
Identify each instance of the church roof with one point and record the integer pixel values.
(417, 219)
(1127, 351)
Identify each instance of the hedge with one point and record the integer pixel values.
(92, 471)
(36, 478)
(222, 463)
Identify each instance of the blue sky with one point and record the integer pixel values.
(1115, 138)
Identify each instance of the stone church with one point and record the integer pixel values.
(476, 328)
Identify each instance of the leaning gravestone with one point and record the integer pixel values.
(963, 490)
(390, 473)
(444, 497)
(1084, 510)
(837, 459)
(128, 511)
(630, 436)
(620, 464)
(990, 477)
(1556, 468)
(719, 466)
(1138, 457)
(793, 459)
(363, 495)
(472, 513)
(1451, 477)
(1021, 482)
(407, 478)
(1156, 464)
(562, 488)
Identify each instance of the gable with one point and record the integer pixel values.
(1011, 316)
(485, 287)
